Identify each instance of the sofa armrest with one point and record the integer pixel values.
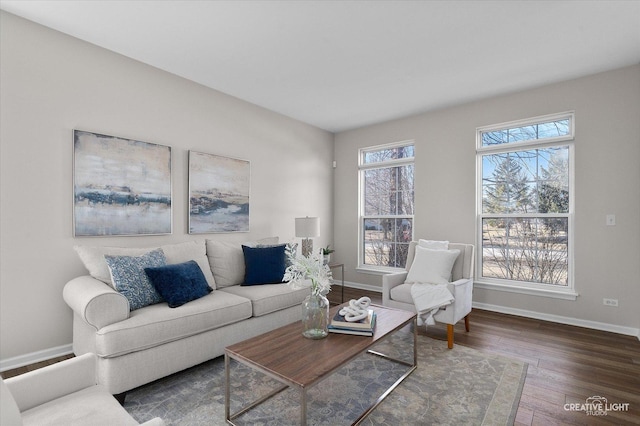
(95, 302)
(390, 281)
(460, 287)
(53, 381)
(462, 291)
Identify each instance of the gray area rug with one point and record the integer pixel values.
(461, 386)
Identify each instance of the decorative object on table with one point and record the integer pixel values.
(326, 252)
(218, 193)
(356, 310)
(307, 228)
(315, 316)
(309, 271)
(355, 318)
(120, 186)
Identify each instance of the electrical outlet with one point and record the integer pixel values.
(610, 302)
(611, 220)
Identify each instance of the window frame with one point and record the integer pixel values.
(567, 292)
(362, 168)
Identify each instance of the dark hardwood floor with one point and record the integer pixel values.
(567, 364)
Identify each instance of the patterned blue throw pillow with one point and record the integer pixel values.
(129, 278)
(179, 283)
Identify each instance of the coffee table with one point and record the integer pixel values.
(300, 363)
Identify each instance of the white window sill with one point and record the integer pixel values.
(555, 294)
(378, 271)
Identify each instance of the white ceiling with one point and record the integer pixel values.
(345, 64)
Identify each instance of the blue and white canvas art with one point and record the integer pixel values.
(218, 194)
(120, 186)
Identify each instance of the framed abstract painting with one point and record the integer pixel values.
(120, 186)
(218, 194)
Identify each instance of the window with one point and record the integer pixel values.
(525, 203)
(386, 205)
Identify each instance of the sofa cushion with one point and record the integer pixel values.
(180, 283)
(158, 324)
(130, 279)
(269, 298)
(264, 265)
(402, 293)
(226, 260)
(90, 406)
(93, 258)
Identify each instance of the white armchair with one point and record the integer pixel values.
(64, 393)
(397, 294)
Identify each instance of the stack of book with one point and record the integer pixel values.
(363, 327)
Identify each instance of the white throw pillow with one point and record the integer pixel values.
(226, 260)
(434, 245)
(93, 258)
(191, 250)
(432, 266)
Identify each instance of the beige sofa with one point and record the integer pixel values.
(136, 347)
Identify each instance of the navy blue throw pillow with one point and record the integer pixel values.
(180, 283)
(264, 265)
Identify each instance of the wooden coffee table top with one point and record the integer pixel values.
(288, 355)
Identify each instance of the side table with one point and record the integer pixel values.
(341, 266)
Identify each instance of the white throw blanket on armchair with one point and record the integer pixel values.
(428, 299)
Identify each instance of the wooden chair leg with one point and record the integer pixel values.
(450, 336)
(466, 322)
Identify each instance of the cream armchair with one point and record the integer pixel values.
(397, 294)
(65, 393)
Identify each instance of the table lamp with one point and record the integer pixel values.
(307, 228)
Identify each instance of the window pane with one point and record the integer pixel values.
(528, 181)
(377, 192)
(504, 184)
(526, 249)
(545, 130)
(388, 191)
(386, 241)
(553, 129)
(386, 154)
(553, 180)
(519, 134)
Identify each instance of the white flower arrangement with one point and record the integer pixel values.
(304, 269)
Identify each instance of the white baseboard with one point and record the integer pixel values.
(613, 328)
(34, 357)
(367, 287)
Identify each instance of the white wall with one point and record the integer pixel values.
(51, 84)
(607, 180)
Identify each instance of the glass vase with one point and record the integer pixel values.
(315, 316)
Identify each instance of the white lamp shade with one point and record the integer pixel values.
(307, 227)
